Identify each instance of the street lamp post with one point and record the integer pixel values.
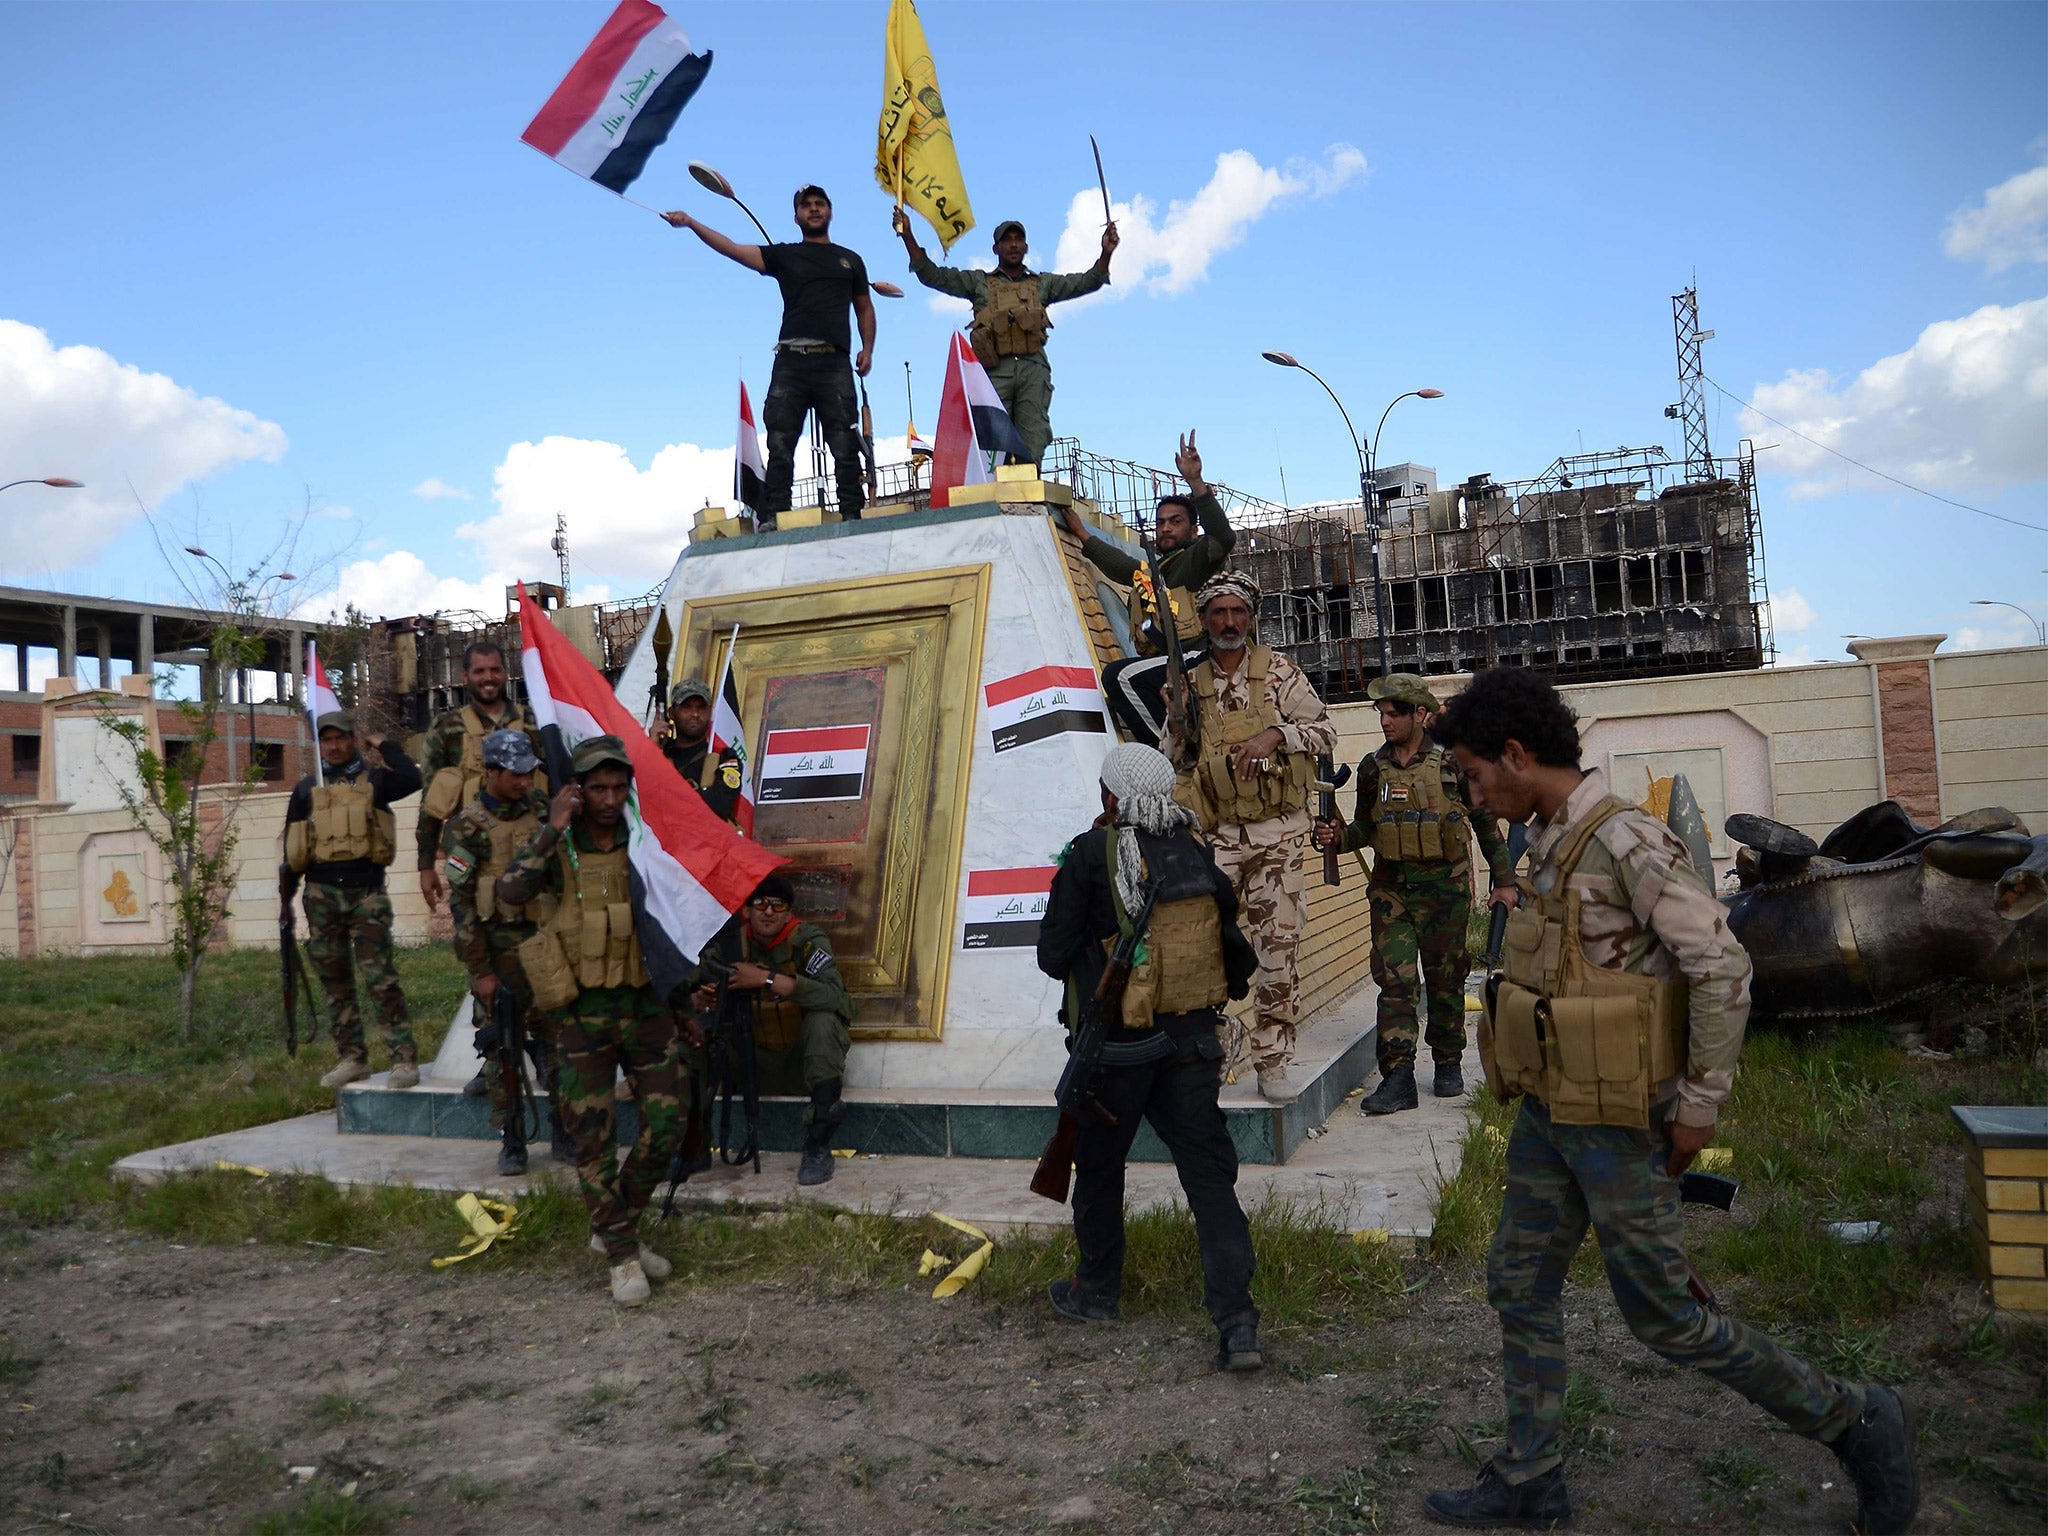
(1367, 449)
(2040, 628)
(53, 480)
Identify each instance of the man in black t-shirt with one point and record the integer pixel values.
(819, 280)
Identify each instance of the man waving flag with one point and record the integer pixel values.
(616, 106)
(690, 870)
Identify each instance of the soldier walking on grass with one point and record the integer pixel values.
(1196, 961)
(339, 837)
(586, 967)
(1262, 728)
(1414, 814)
(1617, 1022)
(477, 846)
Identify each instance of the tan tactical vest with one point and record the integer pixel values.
(345, 825)
(778, 1022)
(1012, 323)
(1218, 795)
(1413, 819)
(1592, 1044)
(507, 838)
(590, 942)
(1182, 968)
(1186, 622)
(453, 788)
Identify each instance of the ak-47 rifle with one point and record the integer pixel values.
(867, 440)
(1709, 1189)
(1329, 779)
(1183, 724)
(292, 965)
(505, 1039)
(1497, 925)
(1076, 1092)
(728, 1025)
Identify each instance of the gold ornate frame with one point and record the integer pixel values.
(929, 625)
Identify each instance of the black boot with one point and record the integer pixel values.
(1450, 1080)
(1541, 1504)
(478, 1087)
(828, 1113)
(1395, 1092)
(1068, 1301)
(511, 1161)
(1877, 1451)
(1238, 1348)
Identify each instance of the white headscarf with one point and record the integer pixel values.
(1142, 780)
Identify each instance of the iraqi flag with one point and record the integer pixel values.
(728, 734)
(690, 870)
(749, 472)
(320, 700)
(1046, 701)
(1005, 906)
(973, 426)
(615, 108)
(809, 764)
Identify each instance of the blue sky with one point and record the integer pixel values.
(261, 257)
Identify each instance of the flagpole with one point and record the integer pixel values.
(313, 720)
(725, 668)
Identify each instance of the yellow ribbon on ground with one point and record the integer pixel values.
(227, 1167)
(966, 1269)
(915, 161)
(488, 1221)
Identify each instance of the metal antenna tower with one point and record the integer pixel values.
(560, 545)
(1691, 409)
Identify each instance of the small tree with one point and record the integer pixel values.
(165, 805)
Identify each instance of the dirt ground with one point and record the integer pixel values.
(158, 1388)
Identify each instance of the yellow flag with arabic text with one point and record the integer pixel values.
(914, 157)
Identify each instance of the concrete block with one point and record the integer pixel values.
(805, 517)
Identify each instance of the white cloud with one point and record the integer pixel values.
(1999, 631)
(133, 438)
(2010, 226)
(1790, 613)
(434, 488)
(1168, 255)
(399, 583)
(1962, 407)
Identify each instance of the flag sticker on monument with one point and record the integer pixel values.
(617, 105)
(1004, 907)
(828, 762)
(1047, 701)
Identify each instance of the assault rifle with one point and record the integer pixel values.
(1182, 722)
(291, 964)
(1076, 1092)
(1709, 1189)
(1497, 925)
(505, 1039)
(1329, 779)
(728, 1025)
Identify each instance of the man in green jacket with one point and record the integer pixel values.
(1010, 320)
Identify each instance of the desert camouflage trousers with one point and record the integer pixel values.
(609, 1030)
(1272, 908)
(1419, 912)
(345, 921)
(1562, 1178)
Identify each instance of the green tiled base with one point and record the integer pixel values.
(1262, 1133)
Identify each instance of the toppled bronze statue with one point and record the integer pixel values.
(1883, 908)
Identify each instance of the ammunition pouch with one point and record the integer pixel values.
(447, 793)
(1215, 793)
(507, 838)
(594, 924)
(1012, 321)
(1413, 820)
(298, 847)
(346, 825)
(548, 973)
(778, 1023)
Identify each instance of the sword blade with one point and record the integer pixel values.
(1107, 217)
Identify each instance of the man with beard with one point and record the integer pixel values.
(1262, 727)
(819, 281)
(688, 747)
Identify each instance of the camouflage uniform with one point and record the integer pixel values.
(722, 794)
(441, 748)
(799, 1059)
(348, 915)
(606, 1030)
(1263, 859)
(487, 946)
(1420, 911)
(1644, 911)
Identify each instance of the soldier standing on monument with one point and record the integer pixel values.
(819, 280)
(1010, 319)
(1413, 813)
(477, 845)
(585, 966)
(1194, 540)
(339, 836)
(452, 754)
(1618, 954)
(1196, 961)
(1262, 727)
